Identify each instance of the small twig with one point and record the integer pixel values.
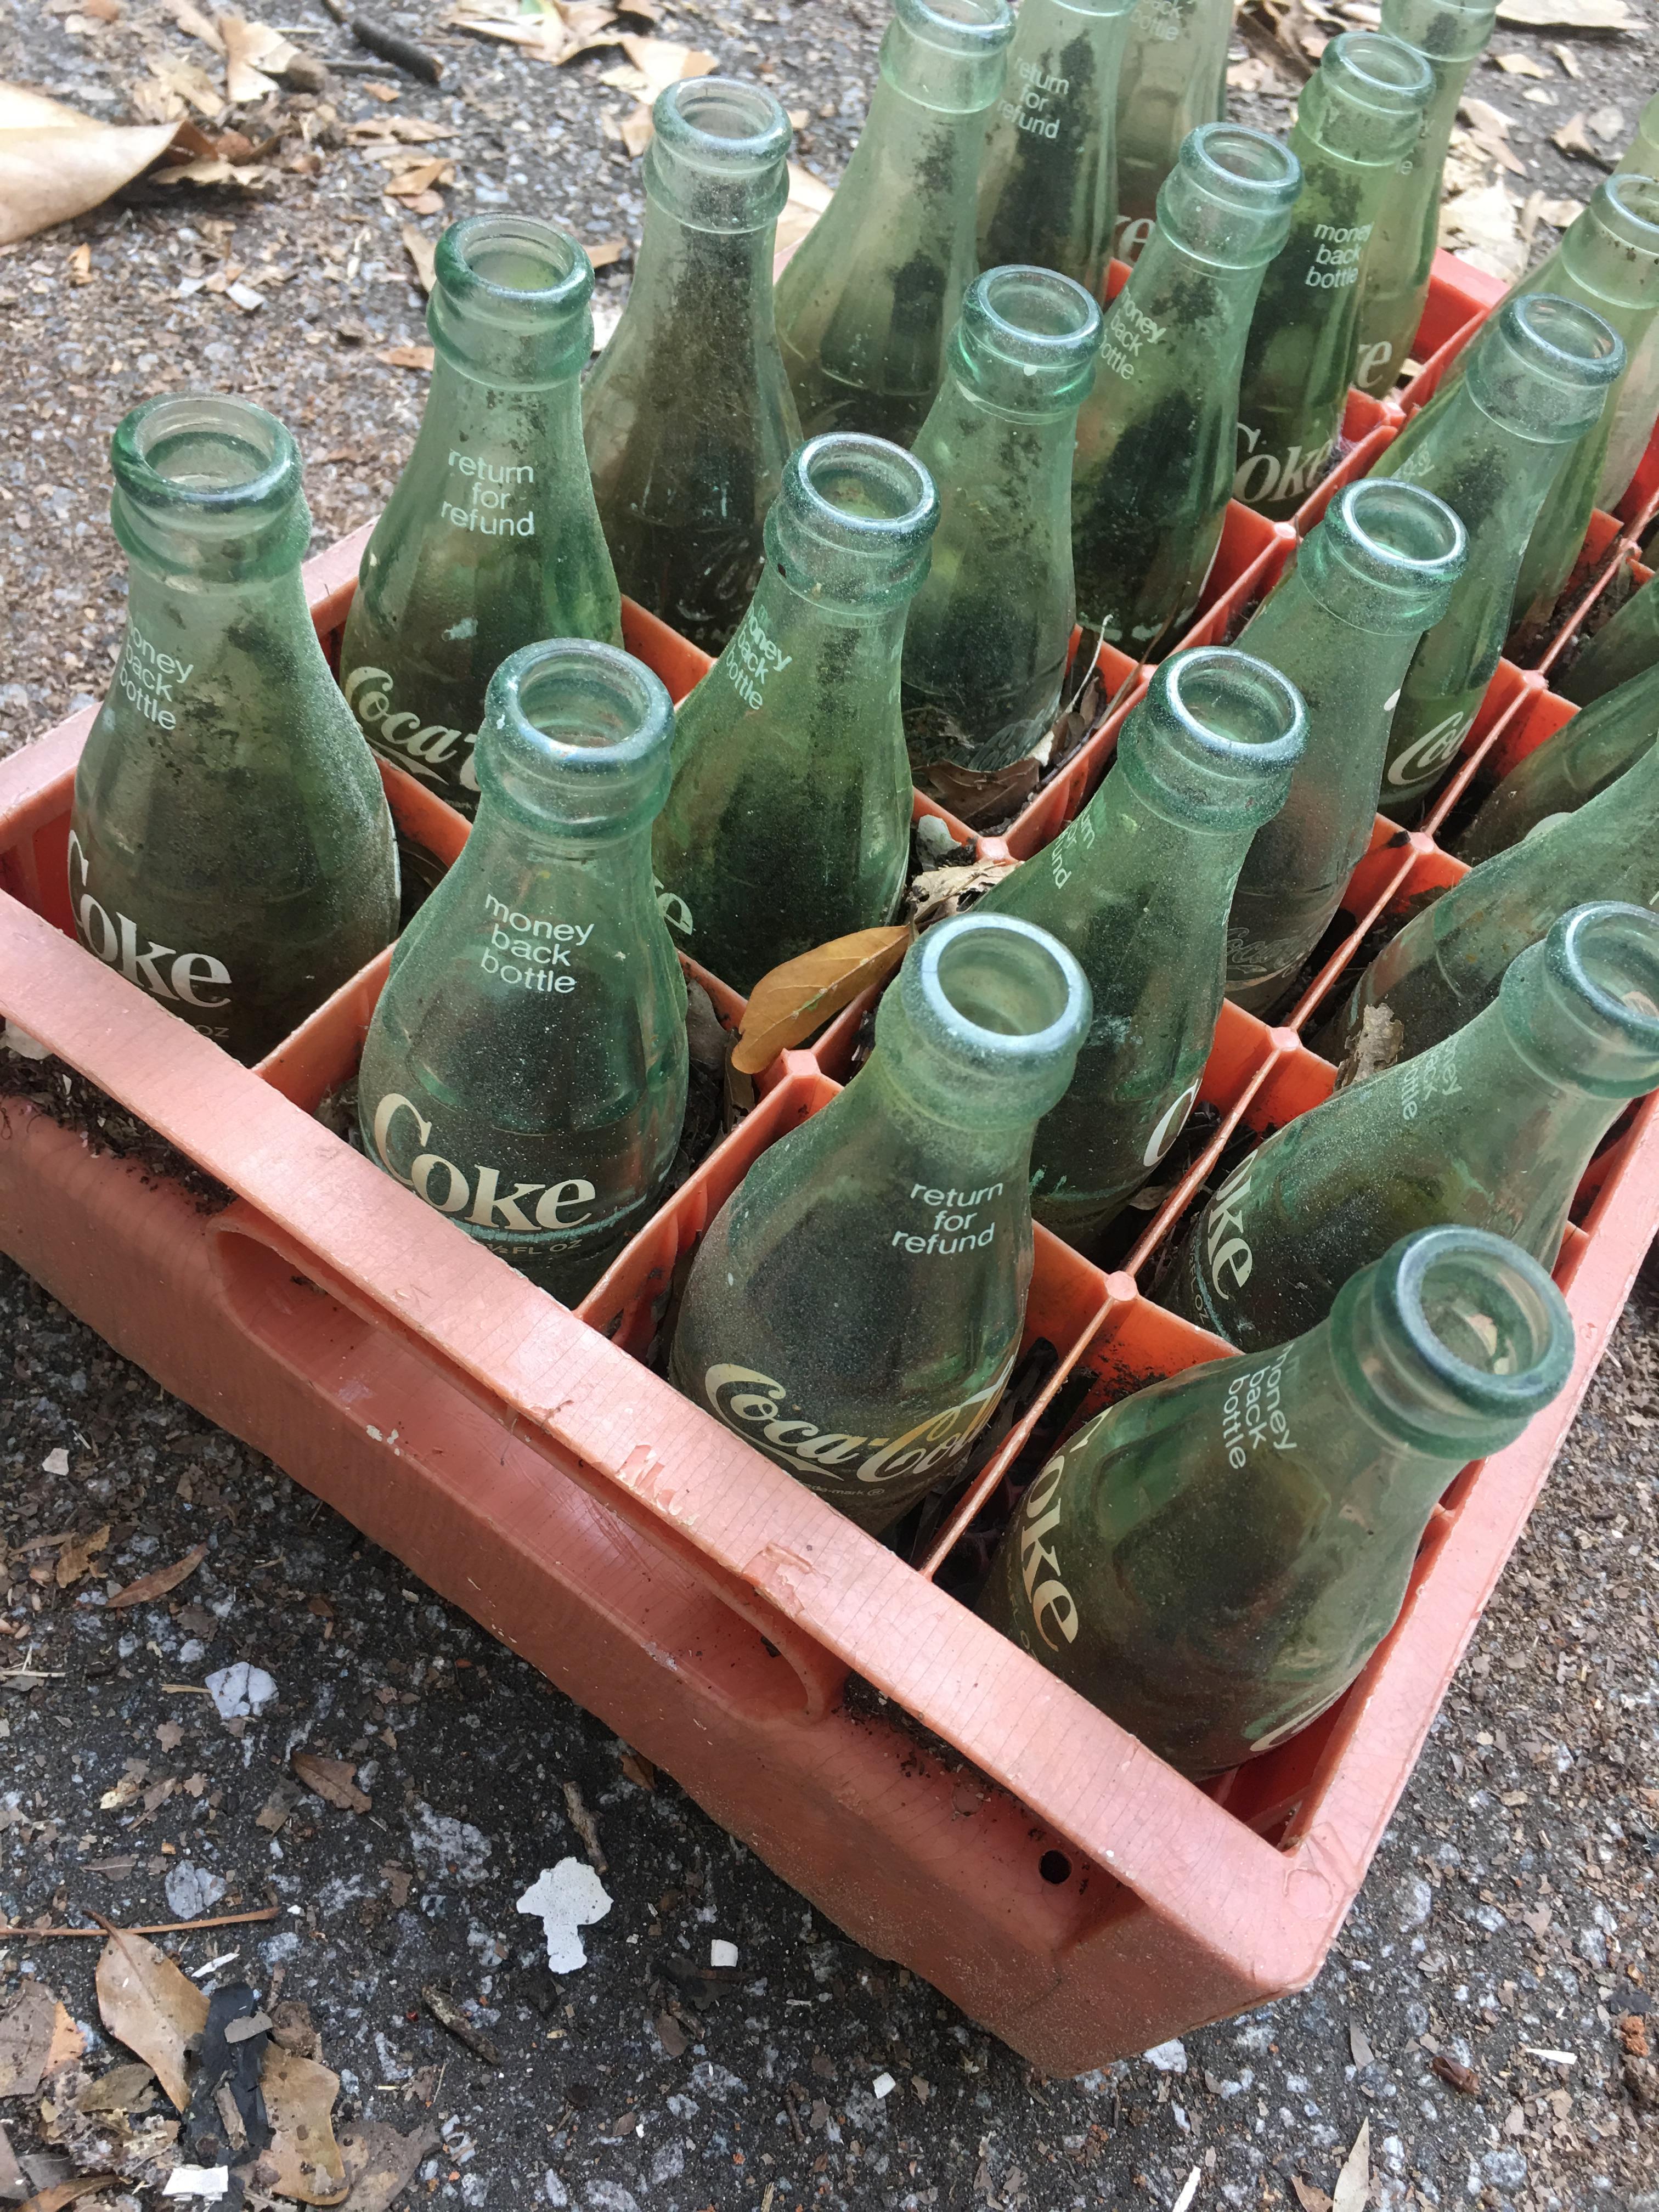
(448, 2015)
(391, 46)
(160, 1928)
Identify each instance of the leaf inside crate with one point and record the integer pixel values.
(793, 1001)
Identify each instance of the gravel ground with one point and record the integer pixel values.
(1509, 1912)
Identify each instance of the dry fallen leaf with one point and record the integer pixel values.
(798, 997)
(637, 130)
(55, 162)
(1484, 225)
(195, 25)
(1309, 2199)
(663, 62)
(255, 57)
(303, 2161)
(76, 1557)
(1519, 66)
(380, 2163)
(35, 2028)
(1353, 2183)
(67, 2192)
(939, 893)
(421, 250)
(117, 2091)
(1573, 140)
(607, 251)
(1375, 1045)
(80, 273)
(148, 2004)
(981, 797)
(409, 356)
(149, 1587)
(332, 1780)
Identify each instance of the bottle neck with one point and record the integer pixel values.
(616, 856)
(1125, 851)
(927, 80)
(498, 450)
(686, 269)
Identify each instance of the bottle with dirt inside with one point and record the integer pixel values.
(1138, 888)
(1637, 407)
(1342, 625)
(871, 295)
(989, 633)
(687, 415)
(1172, 80)
(525, 1069)
(1213, 1561)
(856, 1307)
(490, 539)
(1047, 188)
(230, 851)
(1358, 118)
(1586, 753)
(1490, 444)
(1156, 437)
(1623, 648)
(788, 823)
(1493, 1128)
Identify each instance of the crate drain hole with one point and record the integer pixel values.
(1055, 1867)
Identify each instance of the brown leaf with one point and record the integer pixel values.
(1572, 139)
(331, 1779)
(191, 22)
(148, 2004)
(801, 995)
(409, 356)
(149, 1587)
(55, 162)
(421, 250)
(608, 250)
(303, 2161)
(584, 1825)
(1309, 2199)
(639, 1771)
(117, 2091)
(397, 1881)
(66, 2192)
(1353, 2183)
(27, 2032)
(979, 797)
(637, 131)
(940, 893)
(663, 62)
(380, 2162)
(1375, 1045)
(77, 1555)
(1464, 2079)
(255, 56)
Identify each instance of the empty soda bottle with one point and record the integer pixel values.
(1626, 647)
(1356, 120)
(1638, 404)
(525, 1069)
(230, 850)
(856, 1306)
(1394, 281)
(1491, 1128)
(1490, 446)
(1156, 436)
(1582, 759)
(989, 633)
(1449, 961)
(789, 819)
(490, 539)
(1608, 261)
(871, 295)
(1172, 80)
(688, 414)
(1212, 1561)
(1138, 888)
(1047, 188)
(1343, 625)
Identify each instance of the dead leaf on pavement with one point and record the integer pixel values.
(148, 2004)
(409, 356)
(1519, 66)
(1455, 2073)
(1573, 140)
(77, 1555)
(798, 996)
(1353, 2183)
(380, 2162)
(1309, 2199)
(421, 250)
(663, 62)
(117, 2091)
(639, 1771)
(331, 1779)
(637, 130)
(303, 2161)
(193, 23)
(1484, 224)
(67, 2192)
(149, 1587)
(56, 162)
(255, 57)
(37, 2037)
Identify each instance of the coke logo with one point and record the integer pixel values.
(752, 1403)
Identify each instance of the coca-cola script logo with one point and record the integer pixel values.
(752, 1403)
(425, 749)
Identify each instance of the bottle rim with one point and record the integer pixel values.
(1394, 524)
(965, 28)
(1617, 202)
(1240, 166)
(1564, 340)
(1035, 317)
(1433, 1265)
(1606, 954)
(467, 250)
(579, 720)
(260, 460)
(894, 482)
(949, 986)
(1378, 70)
(1266, 711)
(724, 123)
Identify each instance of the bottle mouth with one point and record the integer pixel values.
(1583, 1006)
(1627, 205)
(577, 728)
(1609, 954)
(963, 28)
(512, 268)
(1543, 336)
(1216, 737)
(1223, 697)
(1483, 1318)
(1378, 71)
(1245, 168)
(987, 995)
(205, 452)
(1028, 338)
(722, 123)
(1389, 538)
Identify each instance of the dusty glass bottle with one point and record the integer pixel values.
(988, 634)
(1343, 626)
(856, 1305)
(1608, 261)
(1213, 1560)
(1357, 117)
(1626, 647)
(1491, 1128)
(1581, 760)
(1393, 281)
(1638, 404)
(230, 850)
(1048, 186)
(490, 539)
(1448, 961)
(1490, 444)
(789, 819)
(1156, 437)
(525, 1068)
(687, 415)
(1172, 80)
(871, 295)
(1137, 887)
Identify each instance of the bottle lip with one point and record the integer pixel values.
(1558, 339)
(1375, 70)
(1626, 203)
(1409, 1281)
(577, 728)
(946, 994)
(962, 28)
(1583, 1003)
(723, 123)
(1040, 329)
(824, 473)
(1242, 167)
(475, 256)
(1456, 31)
(258, 459)
(1388, 531)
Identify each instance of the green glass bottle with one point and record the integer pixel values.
(1608, 261)
(1449, 961)
(1638, 404)
(873, 292)
(1343, 625)
(1172, 80)
(1581, 760)
(688, 414)
(1138, 888)
(789, 819)
(1491, 1128)
(1047, 187)
(490, 539)
(1490, 446)
(855, 1307)
(1356, 120)
(1155, 438)
(1623, 648)
(525, 1068)
(1394, 281)
(1212, 1561)
(230, 850)
(988, 634)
